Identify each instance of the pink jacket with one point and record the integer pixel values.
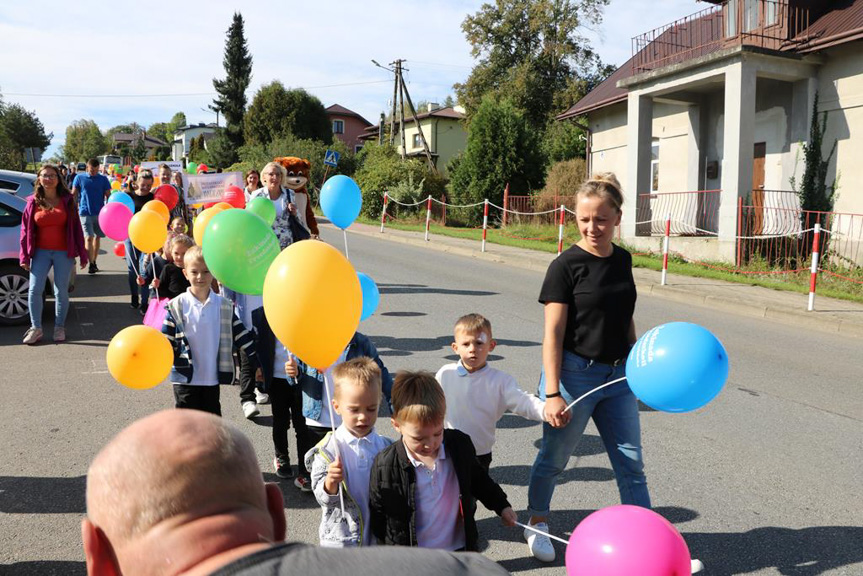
(74, 232)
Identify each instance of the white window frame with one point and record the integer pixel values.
(654, 166)
(338, 126)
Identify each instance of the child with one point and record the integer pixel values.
(202, 328)
(421, 486)
(152, 266)
(477, 394)
(172, 282)
(345, 457)
(177, 227)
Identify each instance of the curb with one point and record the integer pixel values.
(733, 305)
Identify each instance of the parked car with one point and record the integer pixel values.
(18, 183)
(14, 280)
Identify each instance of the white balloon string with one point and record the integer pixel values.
(583, 396)
(335, 443)
(532, 529)
(345, 232)
(132, 262)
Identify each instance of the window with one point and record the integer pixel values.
(731, 19)
(771, 12)
(417, 142)
(654, 167)
(6, 185)
(338, 126)
(750, 15)
(357, 148)
(9, 218)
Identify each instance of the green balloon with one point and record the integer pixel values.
(264, 208)
(191, 167)
(238, 249)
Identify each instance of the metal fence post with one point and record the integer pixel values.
(484, 222)
(428, 216)
(560, 230)
(384, 212)
(816, 246)
(664, 280)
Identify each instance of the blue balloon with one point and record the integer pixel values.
(124, 199)
(341, 200)
(677, 367)
(371, 296)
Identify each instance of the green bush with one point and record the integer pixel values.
(565, 178)
(563, 141)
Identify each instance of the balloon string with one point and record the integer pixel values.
(532, 529)
(335, 443)
(348, 256)
(132, 262)
(583, 396)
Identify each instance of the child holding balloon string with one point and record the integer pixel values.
(172, 281)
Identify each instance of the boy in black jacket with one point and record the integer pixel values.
(422, 487)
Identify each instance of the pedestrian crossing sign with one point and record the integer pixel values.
(331, 158)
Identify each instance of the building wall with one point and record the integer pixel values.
(446, 137)
(354, 127)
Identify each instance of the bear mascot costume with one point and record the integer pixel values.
(299, 172)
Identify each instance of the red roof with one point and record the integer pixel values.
(337, 110)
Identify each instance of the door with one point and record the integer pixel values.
(758, 188)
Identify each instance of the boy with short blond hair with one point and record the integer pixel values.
(418, 483)
(343, 459)
(477, 394)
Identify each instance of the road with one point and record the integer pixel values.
(764, 480)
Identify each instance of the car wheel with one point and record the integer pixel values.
(14, 284)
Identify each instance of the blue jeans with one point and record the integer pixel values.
(615, 413)
(139, 294)
(42, 261)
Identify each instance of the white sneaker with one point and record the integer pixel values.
(697, 566)
(250, 410)
(540, 546)
(261, 398)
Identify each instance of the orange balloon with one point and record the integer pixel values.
(159, 208)
(156, 182)
(323, 311)
(147, 231)
(201, 223)
(139, 357)
(223, 205)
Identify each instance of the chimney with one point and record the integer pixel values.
(432, 106)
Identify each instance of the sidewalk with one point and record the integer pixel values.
(830, 315)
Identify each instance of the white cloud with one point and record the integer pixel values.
(161, 47)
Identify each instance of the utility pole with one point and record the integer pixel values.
(419, 126)
(400, 88)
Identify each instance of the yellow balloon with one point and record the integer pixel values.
(115, 185)
(313, 301)
(201, 223)
(159, 208)
(223, 205)
(156, 182)
(147, 231)
(139, 357)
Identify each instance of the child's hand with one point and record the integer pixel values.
(335, 475)
(141, 281)
(259, 375)
(291, 367)
(508, 517)
(155, 283)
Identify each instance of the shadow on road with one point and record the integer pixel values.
(404, 314)
(423, 289)
(509, 420)
(392, 346)
(32, 495)
(45, 568)
(590, 445)
(519, 475)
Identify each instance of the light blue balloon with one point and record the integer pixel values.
(677, 367)
(124, 199)
(341, 200)
(371, 295)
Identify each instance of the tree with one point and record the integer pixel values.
(529, 51)
(84, 140)
(502, 148)
(276, 112)
(231, 99)
(20, 129)
(160, 130)
(563, 141)
(178, 120)
(221, 151)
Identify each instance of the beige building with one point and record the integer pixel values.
(706, 121)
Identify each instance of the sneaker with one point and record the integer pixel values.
(59, 334)
(32, 335)
(261, 398)
(303, 483)
(250, 410)
(134, 305)
(540, 545)
(283, 467)
(92, 269)
(697, 566)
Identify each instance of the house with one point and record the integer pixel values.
(348, 126)
(183, 138)
(443, 129)
(706, 121)
(119, 139)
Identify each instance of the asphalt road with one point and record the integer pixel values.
(764, 480)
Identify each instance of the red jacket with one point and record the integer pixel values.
(74, 232)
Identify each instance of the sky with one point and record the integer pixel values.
(143, 62)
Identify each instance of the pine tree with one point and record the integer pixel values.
(231, 99)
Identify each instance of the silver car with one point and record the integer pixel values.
(19, 183)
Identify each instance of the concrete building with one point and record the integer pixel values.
(710, 113)
(183, 138)
(347, 126)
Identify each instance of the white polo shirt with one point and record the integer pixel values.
(201, 325)
(438, 515)
(324, 420)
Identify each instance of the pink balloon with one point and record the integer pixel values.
(626, 540)
(114, 220)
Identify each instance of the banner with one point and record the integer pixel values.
(202, 188)
(175, 166)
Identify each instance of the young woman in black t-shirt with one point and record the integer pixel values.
(589, 298)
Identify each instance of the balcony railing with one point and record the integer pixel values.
(772, 24)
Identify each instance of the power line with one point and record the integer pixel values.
(439, 64)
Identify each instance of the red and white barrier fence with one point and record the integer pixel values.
(814, 270)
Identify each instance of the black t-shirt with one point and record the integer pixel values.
(303, 560)
(172, 281)
(140, 200)
(601, 295)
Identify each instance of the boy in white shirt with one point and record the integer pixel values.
(344, 459)
(477, 395)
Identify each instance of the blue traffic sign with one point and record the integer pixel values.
(331, 158)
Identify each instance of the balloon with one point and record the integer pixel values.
(371, 295)
(626, 540)
(223, 205)
(115, 185)
(124, 199)
(139, 357)
(238, 249)
(137, 167)
(147, 231)
(677, 367)
(157, 181)
(210, 205)
(234, 196)
(120, 249)
(264, 208)
(167, 194)
(191, 167)
(313, 301)
(201, 168)
(159, 208)
(114, 220)
(200, 224)
(341, 200)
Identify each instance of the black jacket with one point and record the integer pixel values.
(392, 491)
